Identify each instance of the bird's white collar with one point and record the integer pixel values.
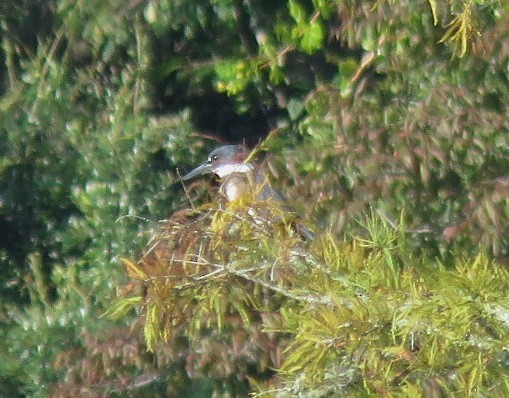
(229, 168)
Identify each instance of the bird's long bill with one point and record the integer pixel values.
(201, 169)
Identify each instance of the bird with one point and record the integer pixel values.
(241, 178)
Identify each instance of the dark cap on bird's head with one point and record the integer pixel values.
(223, 161)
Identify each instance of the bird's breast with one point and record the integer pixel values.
(237, 186)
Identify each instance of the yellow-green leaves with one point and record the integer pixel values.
(460, 29)
(312, 36)
(309, 33)
(297, 11)
(234, 75)
(336, 317)
(133, 270)
(433, 6)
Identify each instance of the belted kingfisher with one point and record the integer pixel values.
(240, 178)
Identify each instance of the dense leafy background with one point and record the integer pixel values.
(372, 106)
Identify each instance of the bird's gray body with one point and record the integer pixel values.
(241, 179)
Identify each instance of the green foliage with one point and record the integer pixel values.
(384, 106)
(233, 77)
(431, 138)
(80, 175)
(424, 332)
(460, 29)
(210, 281)
(309, 34)
(369, 318)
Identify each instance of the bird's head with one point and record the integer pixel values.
(223, 161)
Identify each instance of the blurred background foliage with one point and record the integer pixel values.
(383, 105)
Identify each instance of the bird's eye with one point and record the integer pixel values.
(214, 158)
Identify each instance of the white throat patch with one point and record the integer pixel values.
(227, 169)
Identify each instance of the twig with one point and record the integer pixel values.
(185, 190)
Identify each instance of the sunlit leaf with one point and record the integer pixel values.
(312, 37)
(297, 11)
(433, 6)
